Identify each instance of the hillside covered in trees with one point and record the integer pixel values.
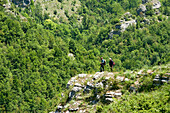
(41, 47)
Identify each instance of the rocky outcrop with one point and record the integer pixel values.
(159, 80)
(86, 91)
(142, 8)
(124, 25)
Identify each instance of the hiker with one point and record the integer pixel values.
(111, 64)
(103, 62)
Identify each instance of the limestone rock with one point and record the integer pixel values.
(82, 75)
(142, 8)
(99, 85)
(109, 100)
(123, 26)
(74, 109)
(140, 72)
(73, 92)
(71, 56)
(120, 78)
(107, 78)
(156, 5)
(149, 71)
(118, 95)
(109, 94)
(97, 75)
(78, 85)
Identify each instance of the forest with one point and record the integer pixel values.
(34, 47)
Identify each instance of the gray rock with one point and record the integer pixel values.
(142, 8)
(126, 24)
(89, 85)
(74, 109)
(110, 36)
(73, 92)
(109, 99)
(109, 94)
(107, 78)
(59, 107)
(157, 77)
(99, 85)
(97, 75)
(82, 75)
(128, 14)
(78, 85)
(164, 81)
(126, 79)
(120, 78)
(156, 5)
(140, 72)
(98, 97)
(71, 56)
(76, 89)
(118, 95)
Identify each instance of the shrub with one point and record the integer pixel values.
(55, 12)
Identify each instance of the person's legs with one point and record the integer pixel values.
(100, 68)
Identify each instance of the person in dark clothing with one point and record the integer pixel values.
(111, 64)
(102, 64)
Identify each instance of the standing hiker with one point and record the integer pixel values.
(111, 64)
(103, 62)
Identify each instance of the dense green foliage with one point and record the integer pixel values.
(34, 61)
(151, 102)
